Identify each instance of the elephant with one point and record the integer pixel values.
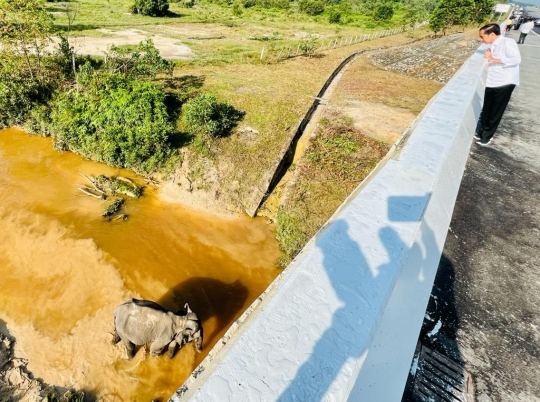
(138, 322)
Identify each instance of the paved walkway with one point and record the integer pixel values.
(485, 306)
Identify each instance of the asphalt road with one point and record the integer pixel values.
(484, 307)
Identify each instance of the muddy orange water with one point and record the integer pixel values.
(63, 269)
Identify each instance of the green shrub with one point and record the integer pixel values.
(19, 93)
(205, 115)
(311, 7)
(309, 45)
(114, 120)
(383, 12)
(140, 61)
(154, 8)
(188, 3)
(334, 17)
(237, 9)
(277, 4)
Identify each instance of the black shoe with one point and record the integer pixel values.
(476, 136)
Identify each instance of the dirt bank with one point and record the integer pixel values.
(16, 383)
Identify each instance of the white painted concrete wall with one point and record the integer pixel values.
(342, 321)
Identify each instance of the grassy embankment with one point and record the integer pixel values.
(274, 97)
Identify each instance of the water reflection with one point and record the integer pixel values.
(64, 269)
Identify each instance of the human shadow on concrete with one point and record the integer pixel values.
(359, 286)
(209, 298)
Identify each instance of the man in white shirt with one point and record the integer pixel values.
(524, 29)
(503, 59)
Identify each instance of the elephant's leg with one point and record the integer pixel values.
(198, 344)
(130, 348)
(172, 348)
(116, 338)
(156, 348)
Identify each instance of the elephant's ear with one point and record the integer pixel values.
(186, 306)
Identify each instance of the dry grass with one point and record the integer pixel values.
(337, 160)
(340, 156)
(369, 83)
(275, 98)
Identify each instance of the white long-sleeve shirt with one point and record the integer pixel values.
(507, 72)
(526, 28)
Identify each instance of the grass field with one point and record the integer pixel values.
(274, 95)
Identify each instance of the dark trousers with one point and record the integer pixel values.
(522, 37)
(495, 102)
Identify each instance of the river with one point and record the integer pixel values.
(63, 269)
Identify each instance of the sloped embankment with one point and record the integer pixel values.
(437, 60)
(389, 86)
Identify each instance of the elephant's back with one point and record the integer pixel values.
(139, 324)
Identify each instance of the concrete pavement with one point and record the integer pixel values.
(484, 309)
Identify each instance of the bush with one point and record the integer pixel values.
(237, 9)
(205, 118)
(334, 17)
(114, 120)
(154, 8)
(309, 45)
(311, 7)
(19, 93)
(383, 12)
(278, 4)
(205, 115)
(140, 61)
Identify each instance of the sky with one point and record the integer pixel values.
(528, 2)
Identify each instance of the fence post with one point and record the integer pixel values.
(279, 54)
(262, 53)
(297, 49)
(289, 51)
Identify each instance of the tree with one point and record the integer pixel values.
(448, 13)
(481, 10)
(383, 12)
(154, 8)
(25, 28)
(25, 31)
(417, 11)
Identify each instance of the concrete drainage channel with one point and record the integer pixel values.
(436, 378)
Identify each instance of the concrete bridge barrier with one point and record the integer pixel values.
(342, 321)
